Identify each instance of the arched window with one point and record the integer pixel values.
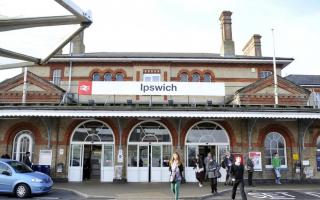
(119, 77)
(23, 142)
(96, 76)
(207, 132)
(107, 77)
(150, 132)
(275, 143)
(184, 77)
(195, 77)
(92, 131)
(207, 77)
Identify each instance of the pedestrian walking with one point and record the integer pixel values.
(26, 159)
(276, 164)
(199, 169)
(212, 172)
(250, 170)
(176, 169)
(237, 171)
(227, 162)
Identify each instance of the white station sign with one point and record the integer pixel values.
(151, 88)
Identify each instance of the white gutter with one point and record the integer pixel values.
(205, 60)
(157, 114)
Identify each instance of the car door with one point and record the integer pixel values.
(6, 178)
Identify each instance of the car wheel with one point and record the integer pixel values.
(22, 191)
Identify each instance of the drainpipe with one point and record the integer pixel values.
(49, 129)
(24, 91)
(251, 124)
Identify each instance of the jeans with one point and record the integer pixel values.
(234, 189)
(277, 175)
(175, 189)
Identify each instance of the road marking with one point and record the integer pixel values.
(315, 194)
(271, 195)
(47, 198)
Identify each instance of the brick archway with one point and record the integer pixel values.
(73, 125)
(315, 138)
(133, 122)
(16, 128)
(225, 125)
(282, 130)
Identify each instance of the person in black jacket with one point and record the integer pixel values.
(26, 159)
(227, 162)
(250, 170)
(199, 168)
(237, 171)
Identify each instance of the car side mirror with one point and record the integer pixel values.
(6, 173)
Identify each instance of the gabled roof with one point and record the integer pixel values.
(14, 82)
(266, 82)
(310, 80)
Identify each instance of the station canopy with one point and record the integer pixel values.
(33, 31)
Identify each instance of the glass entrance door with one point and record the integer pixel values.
(76, 162)
(156, 161)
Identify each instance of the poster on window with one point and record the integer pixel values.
(256, 159)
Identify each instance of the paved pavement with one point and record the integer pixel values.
(55, 194)
(161, 191)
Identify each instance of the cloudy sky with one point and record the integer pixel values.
(184, 26)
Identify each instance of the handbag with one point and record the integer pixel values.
(218, 174)
(172, 178)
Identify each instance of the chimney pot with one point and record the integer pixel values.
(227, 46)
(253, 46)
(78, 45)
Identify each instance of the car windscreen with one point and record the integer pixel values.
(19, 167)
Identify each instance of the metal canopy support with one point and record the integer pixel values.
(79, 17)
(19, 56)
(251, 124)
(303, 126)
(21, 23)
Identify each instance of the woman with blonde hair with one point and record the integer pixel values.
(176, 169)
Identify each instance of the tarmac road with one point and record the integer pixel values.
(55, 194)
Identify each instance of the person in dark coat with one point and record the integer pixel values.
(199, 168)
(212, 171)
(87, 169)
(237, 171)
(250, 170)
(227, 162)
(26, 159)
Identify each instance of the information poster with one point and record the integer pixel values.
(256, 159)
(45, 157)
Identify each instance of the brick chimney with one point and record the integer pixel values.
(253, 46)
(227, 46)
(78, 45)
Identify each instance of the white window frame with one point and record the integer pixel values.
(265, 74)
(180, 77)
(56, 76)
(151, 77)
(17, 139)
(204, 77)
(285, 152)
